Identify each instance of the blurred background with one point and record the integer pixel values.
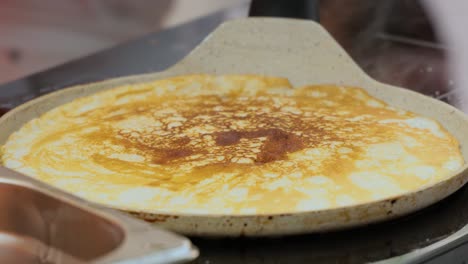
(39, 34)
(393, 41)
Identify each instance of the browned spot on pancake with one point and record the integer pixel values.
(152, 218)
(278, 142)
(182, 141)
(163, 156)
(229, 137)
(262, 134)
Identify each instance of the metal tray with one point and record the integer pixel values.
(41, 224)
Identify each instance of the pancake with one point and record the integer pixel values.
(233, 144)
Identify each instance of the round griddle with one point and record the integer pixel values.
(305, 53)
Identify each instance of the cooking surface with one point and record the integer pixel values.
(157, 51)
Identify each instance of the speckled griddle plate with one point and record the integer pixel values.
(303, 52)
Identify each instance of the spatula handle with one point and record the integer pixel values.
(305, 9)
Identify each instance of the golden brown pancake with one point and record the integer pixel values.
(234, 144)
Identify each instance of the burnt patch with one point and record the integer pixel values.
(278, 142)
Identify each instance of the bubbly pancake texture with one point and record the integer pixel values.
(235, 144)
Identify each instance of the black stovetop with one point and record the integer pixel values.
(156, 52)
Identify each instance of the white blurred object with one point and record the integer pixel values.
(451, 23)
(38, 34)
